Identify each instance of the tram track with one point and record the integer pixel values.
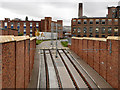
(69, 65)
(84, 79)
(56, 71)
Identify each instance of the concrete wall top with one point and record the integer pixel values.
(98, 39)
(77, 38)
(4, 39)
(90, 38)
(21, 38)
(10, 38)
(113, 37)
(32, 38)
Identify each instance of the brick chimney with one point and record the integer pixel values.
(80, 10)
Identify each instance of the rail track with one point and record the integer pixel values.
(66, 71)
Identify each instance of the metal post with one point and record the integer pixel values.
(56, 41)
(52, 35)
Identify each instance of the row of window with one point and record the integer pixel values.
(103, 29)
(97, 21)
(18, 24)
(25, 32)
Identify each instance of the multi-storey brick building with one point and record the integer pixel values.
(29, 27)
(97, 26)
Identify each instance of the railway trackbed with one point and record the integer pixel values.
(62, 72)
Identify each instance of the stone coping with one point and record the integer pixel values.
(113, 37)
(21, 38)
(4, 39)
(10, 38)
(91, 38)
(32, 38)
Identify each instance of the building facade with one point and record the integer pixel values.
(29, 27)
(97, 26)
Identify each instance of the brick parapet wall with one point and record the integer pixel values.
(9, 32)
(15, 61)
(102, 54)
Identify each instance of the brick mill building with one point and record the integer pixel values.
(29, 27)
(84, 26)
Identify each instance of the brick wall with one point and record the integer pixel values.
(113, 63)
(15, 61)
(32, 48)
(103, 55)
(103, 58)
(9, 32)
(8, 65)
(20, 64)
(27, 62)
(85, 51)
(0, 66)
(13, 32)
(96, 56)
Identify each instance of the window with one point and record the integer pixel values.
(85, 30)
(103, 30)
(24, 31)
(97, 30)
(91, 29)
(85, 21)
(97, 21)
(74, 29)
(30, 34)
(30, 29)
(30, 24)
(12, 25)
(91, 21)
(79, 21)
(116, 30)
(109, 30)
(18, 30)
(5, 24)
(116, 20)
(103, 21)
(24, 24)
(113, 16)
(113, 10)
(18, 25)
(79, 30)
(59, 25)
(37, 25)
(109, 20)
(74, 20)
(0, 25)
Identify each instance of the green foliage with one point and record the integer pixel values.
(20, 34)
(38, 42)
(64, 43)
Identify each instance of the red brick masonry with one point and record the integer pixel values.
(102, 54)
(15, 61)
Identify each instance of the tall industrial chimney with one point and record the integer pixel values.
(119, 3)
(80, 10)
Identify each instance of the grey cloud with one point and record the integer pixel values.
(58, 9)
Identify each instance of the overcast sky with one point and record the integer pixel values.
(57, 9)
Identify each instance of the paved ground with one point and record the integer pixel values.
(47, 45)
(68, 75)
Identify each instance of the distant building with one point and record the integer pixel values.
(84, 26)
(67, 31)
(29, 27)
